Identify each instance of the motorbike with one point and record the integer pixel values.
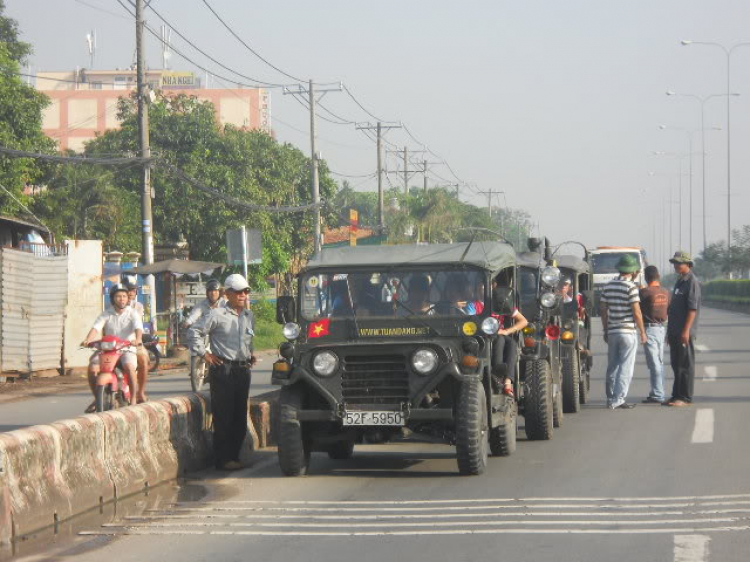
(151, 343)
(198, 372)
(113, 384)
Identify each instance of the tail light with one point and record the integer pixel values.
(528, 341)
(553, 332)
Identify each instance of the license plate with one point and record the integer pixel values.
(374, 418)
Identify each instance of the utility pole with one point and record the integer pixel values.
(379, 126)
(314, 156)
(489, 194)
(143, 134)
(425, 163)
(406, 172)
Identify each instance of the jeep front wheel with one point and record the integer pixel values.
(293, 446)
(571, 383)
(538, 400)
(503, 437)
(472, 428)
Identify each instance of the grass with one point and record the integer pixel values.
(267, 335)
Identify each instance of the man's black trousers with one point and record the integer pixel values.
(230, 386)
(683, 365)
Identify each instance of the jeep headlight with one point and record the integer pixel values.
(548, 300)
(550, 276)
(424, 361)
(291, 331)
(325, 363)
(490, 325)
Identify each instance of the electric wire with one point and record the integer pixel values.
(248, 47)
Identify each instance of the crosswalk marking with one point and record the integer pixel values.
(684, 516)
(703, 432)
(702, 348)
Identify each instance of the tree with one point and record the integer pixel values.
(21, 109)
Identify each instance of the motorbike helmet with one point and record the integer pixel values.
(212, 285)
(116, 288)
(129, 280)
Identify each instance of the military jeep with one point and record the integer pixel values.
(394, 343)
(540, 399)
(575, 349)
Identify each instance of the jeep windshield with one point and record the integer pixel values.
(402, 293)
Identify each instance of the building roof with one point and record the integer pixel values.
(22, 222)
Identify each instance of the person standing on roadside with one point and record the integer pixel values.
(683, 328)
(230, 329)
(621, 314)
(654, 305)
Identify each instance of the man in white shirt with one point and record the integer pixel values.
(122, 321)
(142, 353)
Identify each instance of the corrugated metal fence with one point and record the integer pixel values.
(33, 293)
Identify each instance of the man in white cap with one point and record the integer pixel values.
(230, 329)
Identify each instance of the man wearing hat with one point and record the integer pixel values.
(230, 329)
(621, 314)
(682, 329)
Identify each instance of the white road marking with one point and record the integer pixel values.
(703, 432)
(702, 348)
(488, 523)
(221, 508)
(709, 373)
(307, 517)
(483, 500)
(691, 548)
(670, 531)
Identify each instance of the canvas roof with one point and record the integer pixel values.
(573, 262)
(492, 256)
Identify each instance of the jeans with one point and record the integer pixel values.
(654, 349)
(621, 355)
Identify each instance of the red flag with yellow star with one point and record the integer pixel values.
(318, 329)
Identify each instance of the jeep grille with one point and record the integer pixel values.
(375, 380)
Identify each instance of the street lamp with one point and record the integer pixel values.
(690, 133)
(702, 100)
(679, 156)
(728, 52)
(668, 203)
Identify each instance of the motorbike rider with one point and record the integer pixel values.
(202, 309)
(142, 354)
(122, 321)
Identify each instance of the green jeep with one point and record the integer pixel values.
(391, 343)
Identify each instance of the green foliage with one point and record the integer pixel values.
(20, 119)
(264, 310)
(712, 262)
(726, 290)
(268, 335)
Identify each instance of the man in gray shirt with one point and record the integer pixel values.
(683, 328)
(230, 329)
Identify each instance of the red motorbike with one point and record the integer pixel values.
(112, 384)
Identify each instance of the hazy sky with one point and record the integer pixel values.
(556, 103)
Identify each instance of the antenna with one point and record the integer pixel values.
(166, 53)
(91, 43)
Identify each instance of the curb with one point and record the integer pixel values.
(49, 473)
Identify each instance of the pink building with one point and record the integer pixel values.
(84, 102)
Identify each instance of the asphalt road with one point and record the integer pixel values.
(649, 484)
(55, 406)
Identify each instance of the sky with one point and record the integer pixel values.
(557, 104)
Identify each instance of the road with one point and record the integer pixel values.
(56, 406)
(649, 484)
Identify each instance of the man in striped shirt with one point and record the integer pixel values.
(621, 313)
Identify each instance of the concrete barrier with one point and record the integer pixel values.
(49, 473)
(731, 306)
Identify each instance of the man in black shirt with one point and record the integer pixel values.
(682, 329)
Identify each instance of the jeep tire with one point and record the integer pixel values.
(472, 428)
(503, 437)
(293, 446)
(571, 383)
(538, 398)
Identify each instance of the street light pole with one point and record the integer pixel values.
(702, 101)
(728, 52)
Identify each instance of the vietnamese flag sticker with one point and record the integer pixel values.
(318, 329)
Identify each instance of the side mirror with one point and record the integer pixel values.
(286, 310)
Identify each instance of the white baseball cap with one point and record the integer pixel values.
(236, 282)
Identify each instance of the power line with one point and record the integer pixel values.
(74, 159)
(205, 54)
(346, 89)
(99, 9)
(248, 47)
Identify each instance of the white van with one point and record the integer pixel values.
(604, 260)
